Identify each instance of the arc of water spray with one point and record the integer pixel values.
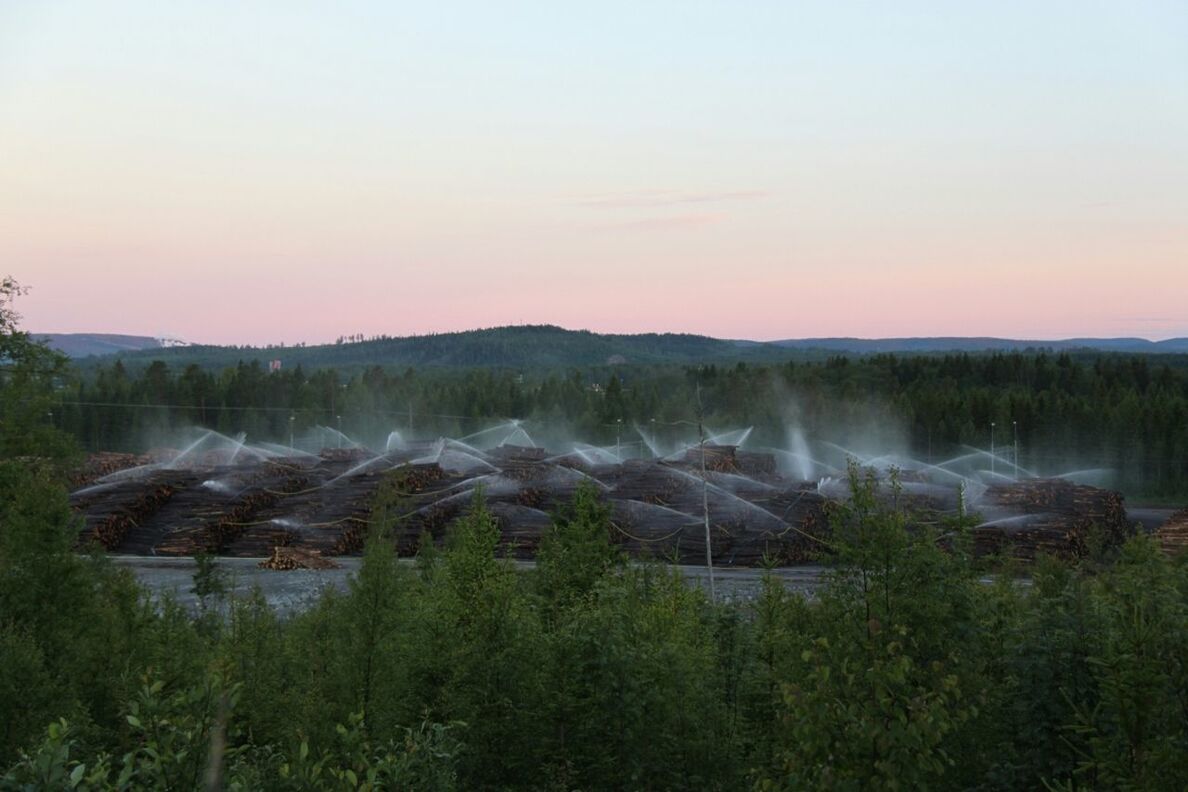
(976, 451)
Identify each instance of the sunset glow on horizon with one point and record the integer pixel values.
(275, 173)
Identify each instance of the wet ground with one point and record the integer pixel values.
(295, 590)
(1149, 517)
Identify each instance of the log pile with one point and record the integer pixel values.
(104, 463)
(109, 524)
(1173, 534)
(285, 559)
(325, 505)
(718, 458)
(232, 525)
(1053, 517)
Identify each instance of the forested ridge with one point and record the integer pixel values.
(549, 346)
(537, 346)
(1128, 414)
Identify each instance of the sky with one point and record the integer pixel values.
(296, 171)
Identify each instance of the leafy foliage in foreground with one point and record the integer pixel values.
(906, 672)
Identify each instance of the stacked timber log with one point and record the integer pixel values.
(109, 522)
(509, 455)
(1173, 534)
(806, 535)
(731, 459)
(651, 482)
(289, 558)
(718, 458)
(230, 526)
(751, 463)
(1053, 517)
(658, 507)
(648, 530)
(521, 528)
(414, 479)
(104, 463)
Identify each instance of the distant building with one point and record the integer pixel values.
(274, 365)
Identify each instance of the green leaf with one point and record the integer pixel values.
(76, 775)
(134, 721)
(354, 779)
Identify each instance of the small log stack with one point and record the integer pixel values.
(1173, 534)
(285, 559)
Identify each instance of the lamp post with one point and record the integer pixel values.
(618, 438)
(654, 454)
(292, 418)
(992, 447)
(1015, 432)
(339, 417)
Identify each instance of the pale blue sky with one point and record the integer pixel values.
(802, 169)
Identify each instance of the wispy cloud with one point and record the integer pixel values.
(653, 198)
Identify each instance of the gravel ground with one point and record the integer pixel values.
(296, 590)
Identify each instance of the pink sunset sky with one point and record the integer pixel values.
(263, 173)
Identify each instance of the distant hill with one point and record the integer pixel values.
(547, 346)
(867, 346)
(528, 346)
(81, 345)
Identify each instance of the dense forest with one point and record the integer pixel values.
(1128, 414)
(909, 669)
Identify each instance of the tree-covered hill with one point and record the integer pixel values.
(551, 347)
(527, 346)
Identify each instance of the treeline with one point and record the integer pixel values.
(1125, 413)
(460, 672)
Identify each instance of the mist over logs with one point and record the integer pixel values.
(298, 508)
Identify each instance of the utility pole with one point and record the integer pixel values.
(992, 447)
(709, 553)
(1015, 430)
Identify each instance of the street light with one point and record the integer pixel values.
(618, 437)
(1015, 432)
(292, 418)
(992, 447)
(654, 454)
(339, 417)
